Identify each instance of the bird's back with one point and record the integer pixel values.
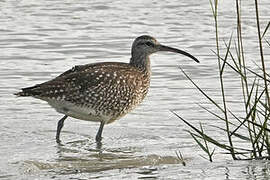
(95, 92)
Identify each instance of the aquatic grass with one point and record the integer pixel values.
(266, 29)
(205, 145)
(180, 157)
(214, 7)
(251, 127)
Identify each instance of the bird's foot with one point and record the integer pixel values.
(98, 139)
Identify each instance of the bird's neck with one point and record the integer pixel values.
(141, 61)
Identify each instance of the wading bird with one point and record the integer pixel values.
(101, 92)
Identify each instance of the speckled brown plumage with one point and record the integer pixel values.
(109, 90)
(101, 92)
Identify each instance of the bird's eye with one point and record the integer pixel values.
(150, 44)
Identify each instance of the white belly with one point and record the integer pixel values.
(78, 112)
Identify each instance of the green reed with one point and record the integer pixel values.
(252, 126)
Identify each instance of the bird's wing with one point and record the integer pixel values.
(79, 68)
(93, 81)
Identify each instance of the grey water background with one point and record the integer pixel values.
(41, 39)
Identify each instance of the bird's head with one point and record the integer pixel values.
(146, 45)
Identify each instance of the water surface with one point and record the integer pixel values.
(41, 39)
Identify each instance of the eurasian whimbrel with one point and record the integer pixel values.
(101, 92)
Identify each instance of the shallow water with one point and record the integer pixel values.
(41, 39)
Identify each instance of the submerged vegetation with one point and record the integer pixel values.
(252, 126)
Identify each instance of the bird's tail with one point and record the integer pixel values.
(29, 91)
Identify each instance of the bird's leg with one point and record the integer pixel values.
(99, 133)
(59, 127)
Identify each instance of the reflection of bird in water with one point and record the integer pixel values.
(101, 92)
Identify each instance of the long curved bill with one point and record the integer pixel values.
(167, 48)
